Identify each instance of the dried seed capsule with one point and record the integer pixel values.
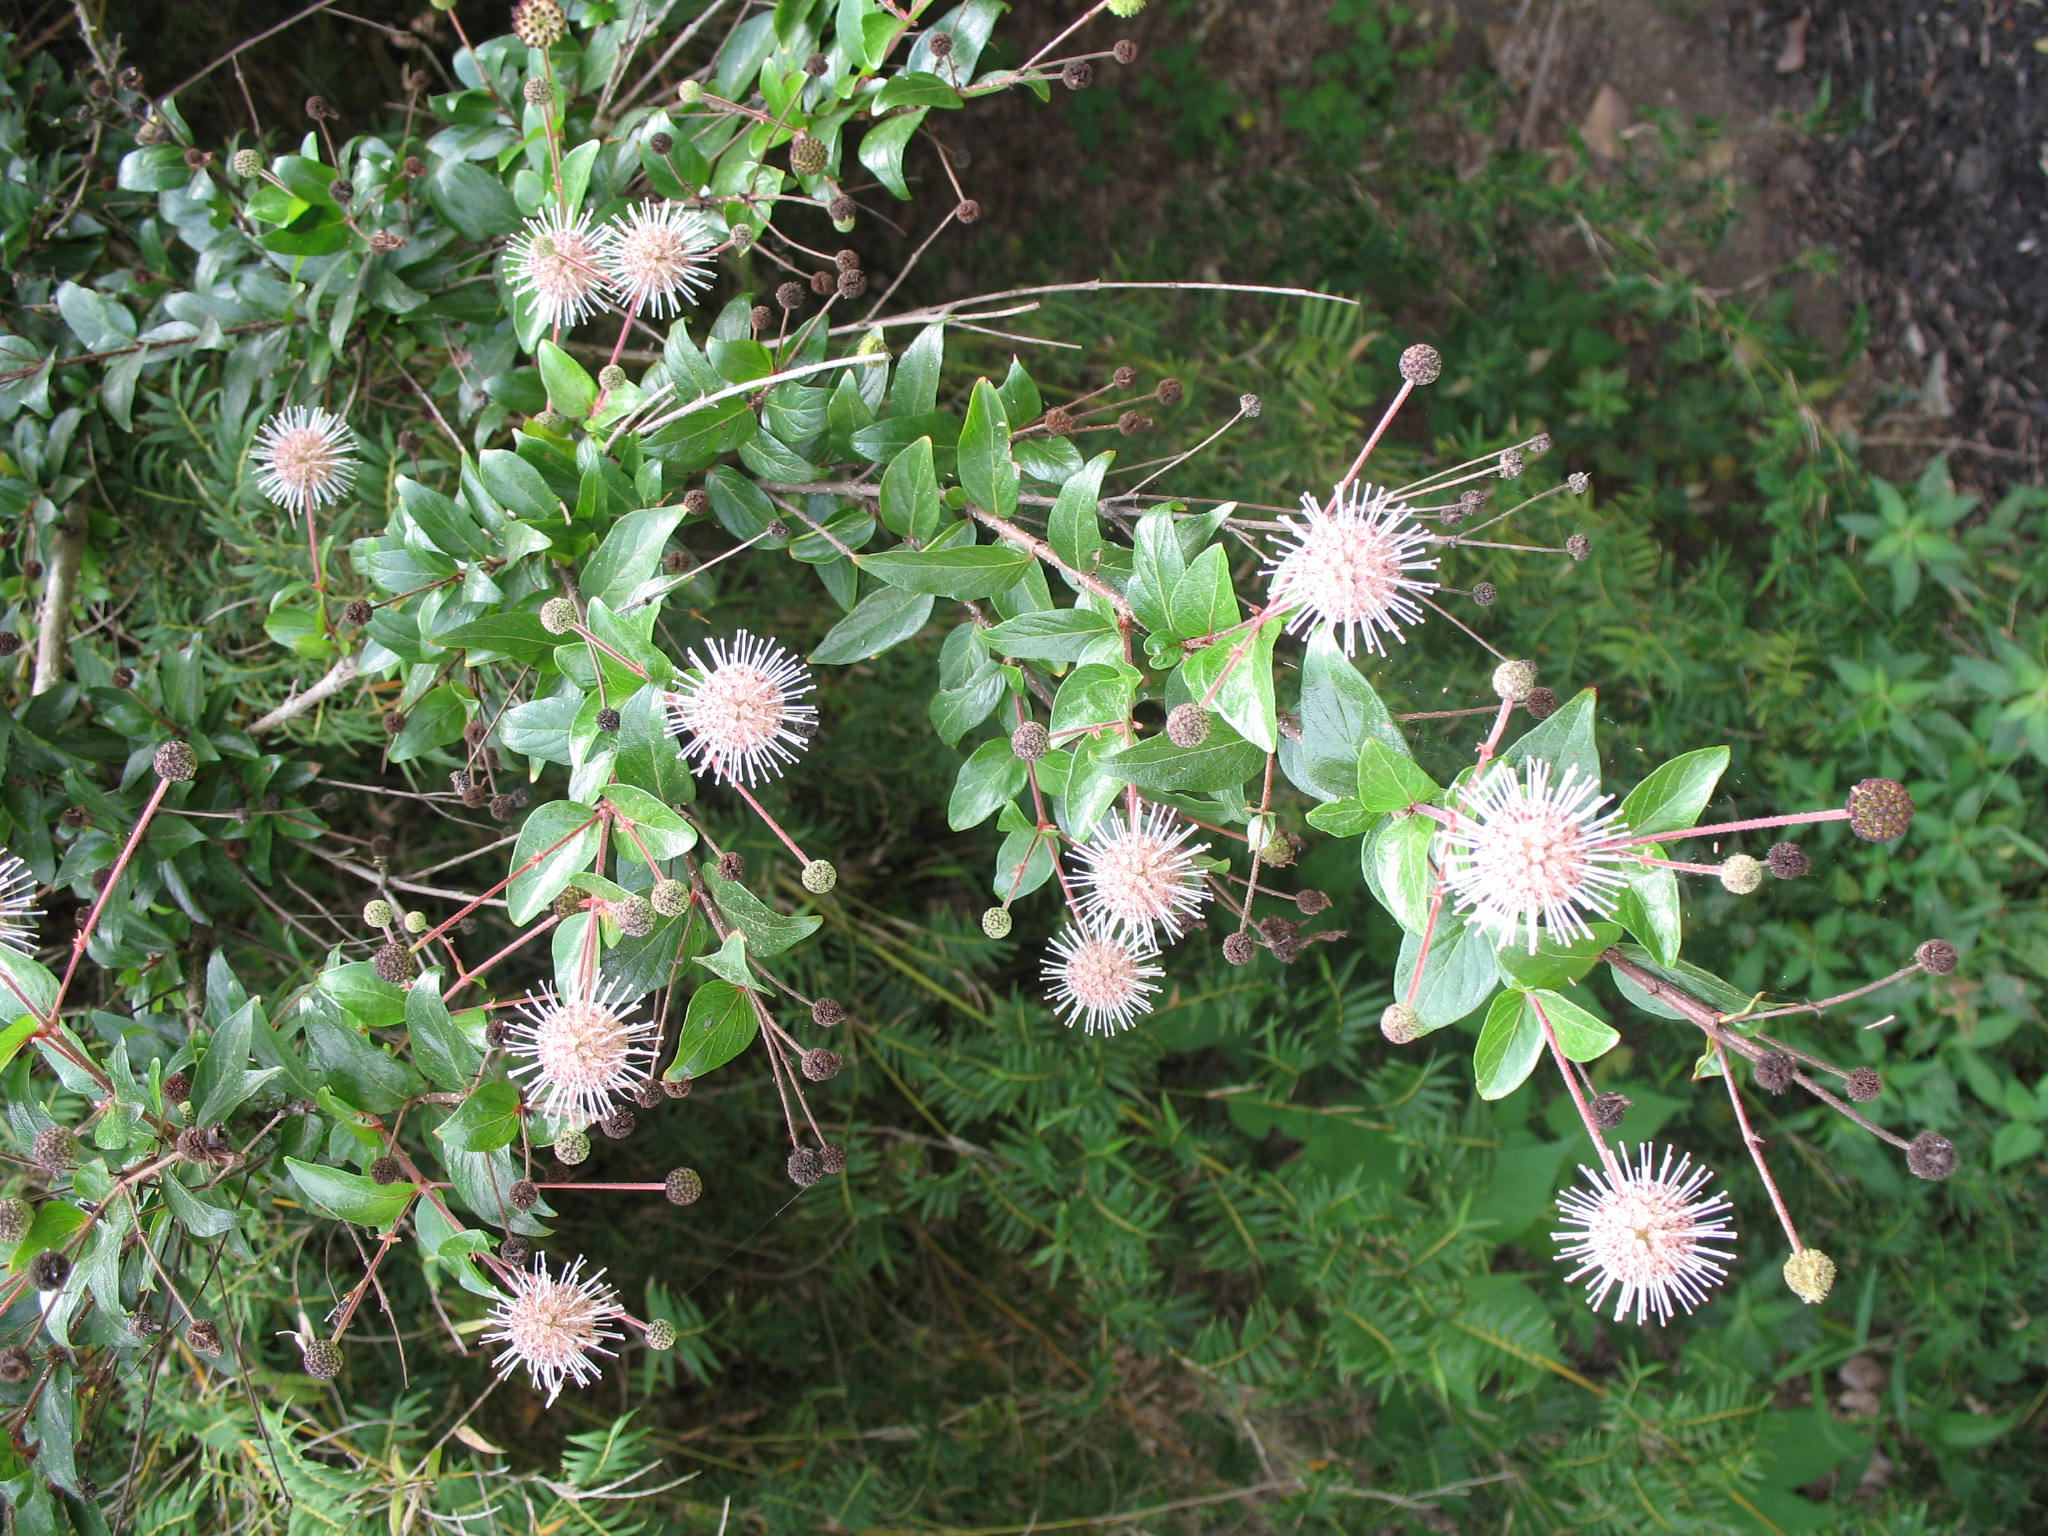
(524, 1195)
(1578, 546)
(821, 1066)
(827, 1011)
(395, 964)
(1864, 1084)
(1937, 957)
(732, 865)
(1238, 949)
(1609, 1109)
(832, 1159)
(1187, 725)
(386, 1170)
(48, 1270)
(1541, 703)
(804, 1168)
(1125, 51)
(15, 1364)
(608, 721)
(807, 156)
(1485, 593)
(634, 915)
(618, 1125)
(515, 1250)
(1312, 902)
(1931, 1156)
(1773, 1071)
(1788, 861)
(204, 1337)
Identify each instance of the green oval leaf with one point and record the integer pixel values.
(719, 1025)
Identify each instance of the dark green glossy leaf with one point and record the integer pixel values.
(486, 1120)
(348, 1196)
(719, 1025)
(1510, 1042)
(986, 471)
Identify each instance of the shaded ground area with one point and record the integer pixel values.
(1886, 156)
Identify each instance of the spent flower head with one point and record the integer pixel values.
(740, 710)
(1520, 850)
(655, 257)
(1100, 980)
(582, 1055)
(306, 457)
(554, 1325)
(1355, 564)
(1138, 873)
(558, 262)
(1647, 1234)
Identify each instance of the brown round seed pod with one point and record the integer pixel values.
(1773, 1071)
(824, 283)
(852, 284)
(15, 1364)
(1077, 74)
(177, 1088)
(48, 1270)
(1238, 949)
(841, 210)
(1788, 861)
(804, 1168)
(1312, 902)
(524, 1195)
(1931, 1156)
(1541, 703)
(1937, 957)
(732, 865)
(967, 210)
(394, 963)
(1609, 1109)
(832, 1159)
(386, 1170)
(676, 1087)
(1485, 593)
(821, 1066)
(807, 156)
(618, 1125)
(1131, 423)
(790, 296)
(515, 1249)
(826, 1012)
(1187, 725)
(1864, 1084)
(320, 1358)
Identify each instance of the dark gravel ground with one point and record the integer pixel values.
(1941, 198)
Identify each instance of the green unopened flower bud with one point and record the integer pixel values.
(661, 1335)
(1514, 681)
(539, 23)
(558, 615)
(1125, 9)
(1400, 1023)
(16, 1217)
(320, 1358)
(1742, 874)
(670, 897)
(683, 1187)
(1187, 725)
(1811, 1275)
(55, 1148)
(416, 922)
(690, 92)
(378, 914)
(246, 163)
(571, 1148)
(611, 376)
(819, 876)
(995, 922)
(807, 156)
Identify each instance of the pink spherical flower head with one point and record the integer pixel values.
(18, 910)
(1101, 981)
(1647, 1235)
(1354, 565)
(656, 257)
(555, 1326)
(740, 710)
(306, 456)
(558, 263)
(581, 1055)
(1139, 874)
(1520, 850)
